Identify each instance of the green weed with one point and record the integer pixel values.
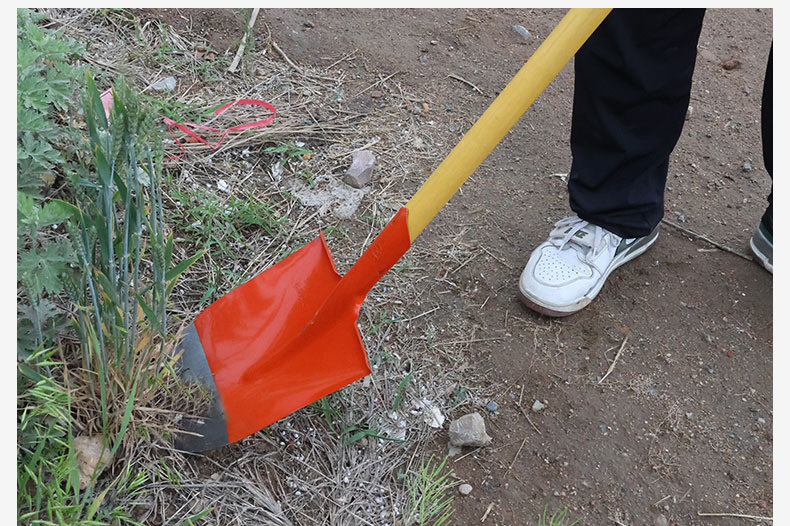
(431, 494)
(558, 518)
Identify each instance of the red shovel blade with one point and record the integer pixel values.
(285, 338)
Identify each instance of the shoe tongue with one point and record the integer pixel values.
(584, 237)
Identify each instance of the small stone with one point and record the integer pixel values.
(309, 25)
(521, 30)
(222, 185)
(360, 172)
(434, 42)
(689, 112)
(469, 430)
(376, 94)
(747, 166)
(492, 406)
(91, 458)
(661, 520)
(423, 59)
(464, 489)
(538, 406)
(166, 84)
(761, 420)
(731, 64)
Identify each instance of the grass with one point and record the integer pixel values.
(231, 226)
(430, 489)
(558, 518)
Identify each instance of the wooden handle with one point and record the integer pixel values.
(547, 61)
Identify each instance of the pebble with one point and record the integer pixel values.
(761, 420)
(166, 84)
(360, 172)
(376, 94)
(747, 166)
(423, 59)
(661, 520)
(469, 430)
(492, 406)
(731, 64)
(538, 406)
(521, 30)
(434, 42)
(689, 112)
(465, 489)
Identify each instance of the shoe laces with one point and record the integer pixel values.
(592, 240)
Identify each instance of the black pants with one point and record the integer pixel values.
(632, 89)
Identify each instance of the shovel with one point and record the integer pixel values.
(289, 336)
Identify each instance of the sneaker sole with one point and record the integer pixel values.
(552, 311)
(761, 258)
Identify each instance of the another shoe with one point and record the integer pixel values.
(566, 272)
(762, 245)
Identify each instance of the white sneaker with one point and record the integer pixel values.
(566, 272)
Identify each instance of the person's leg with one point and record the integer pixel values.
(762, 242)
(632, 88)
(768, 135)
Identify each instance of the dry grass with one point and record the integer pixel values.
(349, 458)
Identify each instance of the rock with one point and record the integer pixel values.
(90, 458)
(747, 166)
(731, 64)
(361, 170)
(166, 84)
(660, 520)
(538, 406)
(469, 430)
(434, 42)
(492, 406)
(521, 30)
(689, 112)
(423, 59)
(761, 420)
(464, 489)
(376, 94)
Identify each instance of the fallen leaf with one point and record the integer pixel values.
(47, 177)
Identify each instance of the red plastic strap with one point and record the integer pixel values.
(185, 126)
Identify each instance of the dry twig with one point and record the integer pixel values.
(614, 362)
(736, 515)
(706, 239)
(243, 44)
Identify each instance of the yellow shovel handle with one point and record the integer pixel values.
(552, 55)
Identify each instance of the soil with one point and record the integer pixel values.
(683, 423)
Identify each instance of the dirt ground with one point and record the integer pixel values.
(683, 424)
